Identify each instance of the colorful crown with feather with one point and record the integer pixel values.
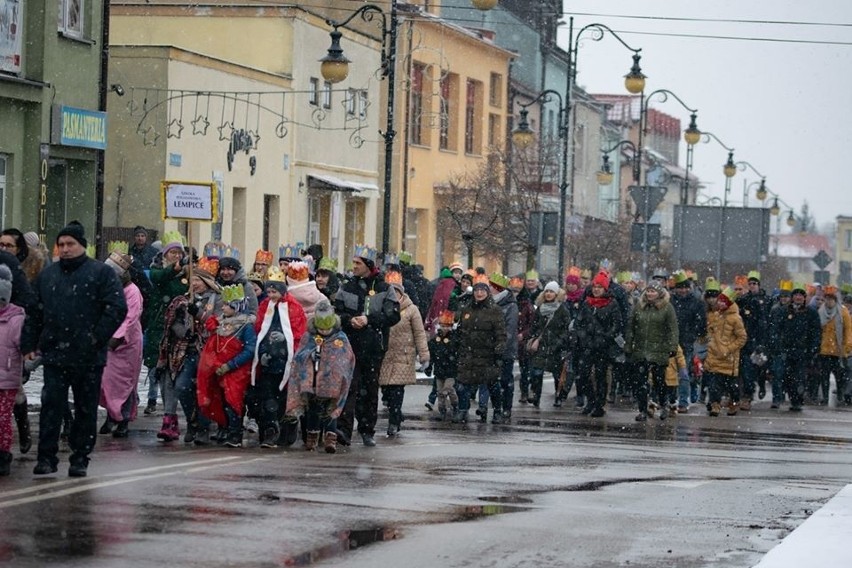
(290, 252)
(233, 293)
(274, 274)
(365, 251)
(120, 247)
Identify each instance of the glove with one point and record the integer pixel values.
(265, 359)
(276, 337)
(222, 370)
(114, 343)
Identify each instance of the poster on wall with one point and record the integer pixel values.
(189, 201)
(10, 35)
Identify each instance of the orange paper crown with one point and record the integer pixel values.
(210, 265)
(393, 277)
(481, 279)
(741, 280)
(447, 318)
(516, 283)
(298, 271)
(263, 256)
(830, 291)
(574, 271)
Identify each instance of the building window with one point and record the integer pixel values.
(495, 89)
(71, 18)
(363, 103)
(848, 239)
(326, 94)
(493, 130)
(356, 103)
(313, 95)
(449, 112)
(415, 128)
(472, 119)
(10, 36)
(351, 102)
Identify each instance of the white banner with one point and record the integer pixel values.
(191, 201)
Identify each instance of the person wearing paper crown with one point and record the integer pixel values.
(302, 288)
(448, 285)
(368, 308)
(321, 376)
(444, 364)
(797, 339)
(231, 272)
(835, 347)
(184, 335)
(224, 369)
(691, 324)
(725, 337)
(79, 304)
(280, 325)
(288, 253)
(328, 282)
(754, 309)
(262, 262)
(168, 282)
(407, 340)
(124, 357)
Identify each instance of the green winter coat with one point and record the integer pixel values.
(652, 332)
(482, 339)
(168, 284)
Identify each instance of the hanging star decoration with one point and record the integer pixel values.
(199, 125)
(226, 126)
(150, 136)
(175, 128)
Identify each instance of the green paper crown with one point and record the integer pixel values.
(172, 237)
(405, 257)
(328, 263)
(498, 279)
(91, 251)
(118, 246)
(233, 293)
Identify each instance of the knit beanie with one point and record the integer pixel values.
(5, 284)
(230, 262)
(32, 239)
(277, 285)
(74, 230)
(552, 287)
(602, 279)
(572, 279)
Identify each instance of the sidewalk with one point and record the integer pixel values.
(822, 540)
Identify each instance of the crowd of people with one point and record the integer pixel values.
(296, 350)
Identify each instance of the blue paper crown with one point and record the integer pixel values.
(290, 251)
(216, 249)
(367, 252)
(391, 258)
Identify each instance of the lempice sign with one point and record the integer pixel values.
(189, 201)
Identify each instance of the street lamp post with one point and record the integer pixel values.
(335, 68)
(523, 136)
(729, 168)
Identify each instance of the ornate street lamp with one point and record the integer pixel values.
(762, 192)
(730, 168)
(791, 220)
(334, 68)
(775, 209)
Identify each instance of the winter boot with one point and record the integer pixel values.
(745, 404)
(524, 397)
(497, 418)
(170, 430)
(269, 438)
(151, 408)
(5, 464)
(25, 439)
(202, 437)
(312, 439)
(715, 408)
(289, 432)
(107, 426)
(733, 408)
(189, 436)
(330, 443)
(442, 415)
(235, 437)
(456, 416)
(121, 430)
(664, 412)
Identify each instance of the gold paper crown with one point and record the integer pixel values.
(210, 265)
(172, 237)
(263, 256)
(118, 246)
(290, 251)
(785, 285)
(274, 274)
(233, 293)
(255, 276)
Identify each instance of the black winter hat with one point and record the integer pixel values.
(230, 262)
(74, 230)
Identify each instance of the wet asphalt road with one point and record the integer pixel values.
(552, 488)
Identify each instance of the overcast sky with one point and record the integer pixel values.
(784, 105)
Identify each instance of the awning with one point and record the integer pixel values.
(331, 183)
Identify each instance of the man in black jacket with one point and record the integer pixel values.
(754, 309)
(691, 324)
(79, 305)
(367, 308)
(797, 336)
